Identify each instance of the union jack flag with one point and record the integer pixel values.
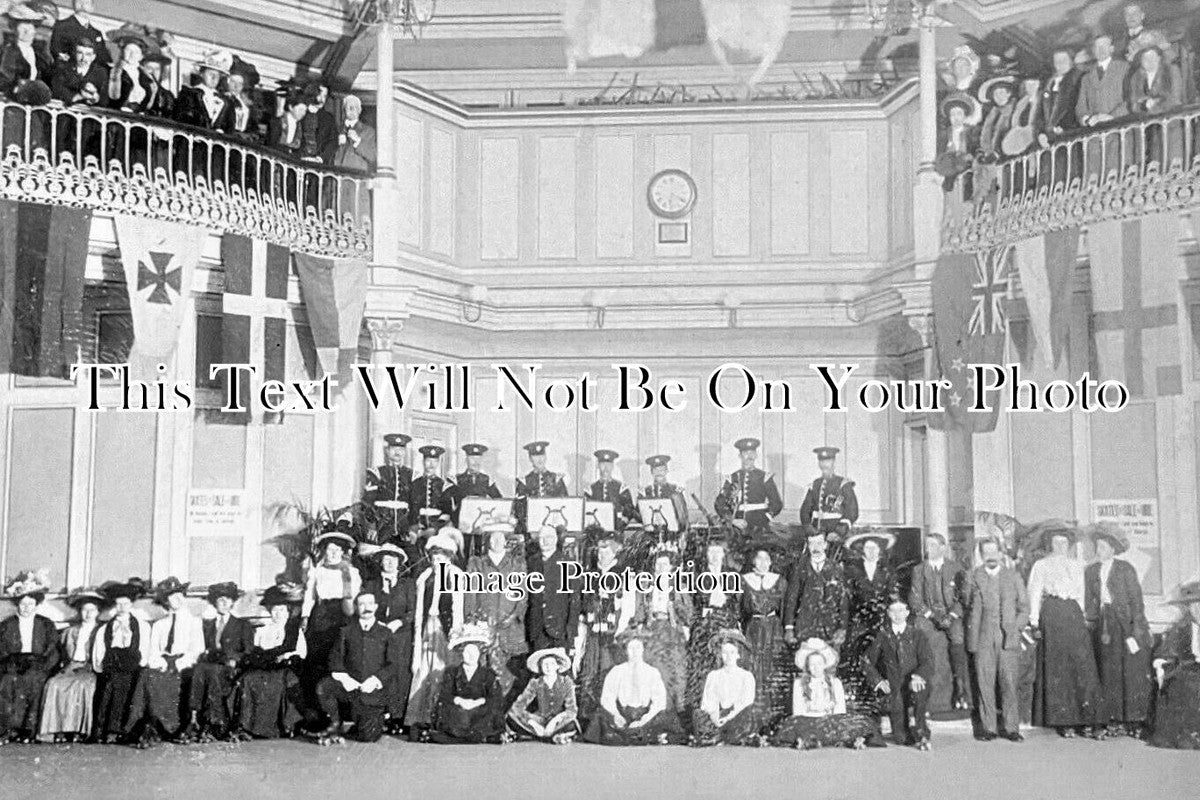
(988, 292)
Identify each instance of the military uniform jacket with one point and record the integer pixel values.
(389, 484)
(668, 490)
(817, 602)
(613, 491)
(542, 484)
(435, 493)
(834, 496)
(476, 484)
(749, 494)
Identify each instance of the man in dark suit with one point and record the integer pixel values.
(81, 79)
(936, 602)
(29, 651)
(75, 28)
(998, 614)
(899, 665)
(227, 640)
(817, 603)
(318, 129)
(396, 597)
(553, 616)
(364, 668)
(1102, 90)
(1059, 98)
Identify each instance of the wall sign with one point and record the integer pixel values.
(216, 512)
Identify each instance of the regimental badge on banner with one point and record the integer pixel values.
(159, 259)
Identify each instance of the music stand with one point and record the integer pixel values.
(565, 512)
(659, 512)
(600, 512)
(476, 512)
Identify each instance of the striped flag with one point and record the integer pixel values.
(1135, 270)
(335, 295)
(159, 259)
(1045, 264)
(757, 27)
(43, 253)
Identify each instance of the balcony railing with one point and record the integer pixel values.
(1119, 170)
(127, 164)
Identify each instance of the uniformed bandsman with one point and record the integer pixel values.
(607, 489)
(830, 505)
(431, 495)
(749, 496)
(659, 488)
(474, 482)
(541, 482)
(386, 489)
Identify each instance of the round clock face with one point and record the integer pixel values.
(671, 193)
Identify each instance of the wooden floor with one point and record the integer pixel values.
(1043, 766)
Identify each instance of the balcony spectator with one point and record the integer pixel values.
(1155, 85)
(998, 94)
(74, 28)
(1059, 99)
(1102, 90)
(1135, 25)
(162, 100)
(80, 80)
(203, 105)
(283, 132)
(129, 87)
(356, 142)
(959, 141)
(242, 115)
(318, 130)
(26, 67)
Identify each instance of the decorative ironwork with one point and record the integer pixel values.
(53, 155)
(1111, 173)
(409, 16)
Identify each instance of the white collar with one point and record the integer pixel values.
(366, 628)
(938, 564)
(1104, 64)
(992, 571)
(900, 629)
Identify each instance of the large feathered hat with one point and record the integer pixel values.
(28, 584)
(479, 633)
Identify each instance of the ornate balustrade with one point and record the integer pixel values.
(1120, 170)
(127, 164)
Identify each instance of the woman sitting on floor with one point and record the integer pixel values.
(819, 717)
(633, 702)
(1177, 710)
(470, 707)
(727, 714)
(557, 716)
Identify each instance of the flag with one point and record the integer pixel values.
(159, 259)
(757, 27)
(43, 254)
(1045, 264)
(1135, 270)
(335, 295)
(601, 28)
(970, 323)
(255, 312)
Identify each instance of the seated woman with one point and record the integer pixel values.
(28, 654)
(1177, 711)
(67, 704)
(557, 716)
(633, 702)
(470, 707)
(270, 681)
(727, 714)
(819, 717)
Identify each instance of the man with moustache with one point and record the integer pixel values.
(363, 669)
(999, 613)
(817, 603)
(553, 616)
(396, 599)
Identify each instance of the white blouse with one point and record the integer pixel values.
(82, 652)
(825, 700)
(1054, 576)
(727, 688)
(328, 583)
(270, 636)
(635, 686)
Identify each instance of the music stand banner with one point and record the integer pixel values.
(599, 512)
(659, 511)
(476, 512)
(557, 512)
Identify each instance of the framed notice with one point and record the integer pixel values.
(216, 512)
(557, 512)
(476, 513)
(1139, 520)
(599, 512)
(659, 512)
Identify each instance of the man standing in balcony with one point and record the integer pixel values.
(1102, 92)
(1059, 98)
(75, 28)
(356, 141)
(78, 82)
(318, 130)
(283, 132)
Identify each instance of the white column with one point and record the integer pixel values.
(937, 481)
(386, 194)
(928, 198)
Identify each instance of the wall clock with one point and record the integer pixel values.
(671, 193)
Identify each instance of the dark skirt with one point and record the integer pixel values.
(667, 652)
(1126, 679)
(1066, 688)
(1177, 711)
(21, 699)
(270, 702)
(701, 659)
(157, 700)
(858, 695)
(115, 692)
(664, 728)
(455, 725)
(211, 696)
(829, 731)
(597, 659)
(324, 624)
(771, 664)
(743, 729)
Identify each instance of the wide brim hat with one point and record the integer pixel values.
(1187, 594)
(885, 539)
(447, 539)
(968, 104)
(224, 589)
(169, 586)
(130, 32)
(134, 588)
(815, 645)
(28, 584)
(1112, 534)
(247, 70)
(282, 594)
(28, 12)
(479, 633)
(534, 662)
(340, 538)
(33, 93)
(159, 55)
(79, 597)
(1046, 530)
(218, 60)
(368, 550)
(727, 635)
(986, 88)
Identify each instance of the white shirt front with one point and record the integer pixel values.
(26, 51)
(26, 626)
(635, 686)
(727, 689)
(82, 653)
(1054, 576)
(1105, 571)
(187, 644)
(270, 636)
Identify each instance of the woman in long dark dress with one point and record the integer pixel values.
(664, 616)
(270, 682)
(819, 716)
(763, 591)
(328, 604)
(712, 612)
(1066, 687)
(605, 614)
(1120, 634)
(1176, 722)
(122, 648)
(872, 585)
(470, 708)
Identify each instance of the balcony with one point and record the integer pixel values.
(1108, 172)
(120, 163)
